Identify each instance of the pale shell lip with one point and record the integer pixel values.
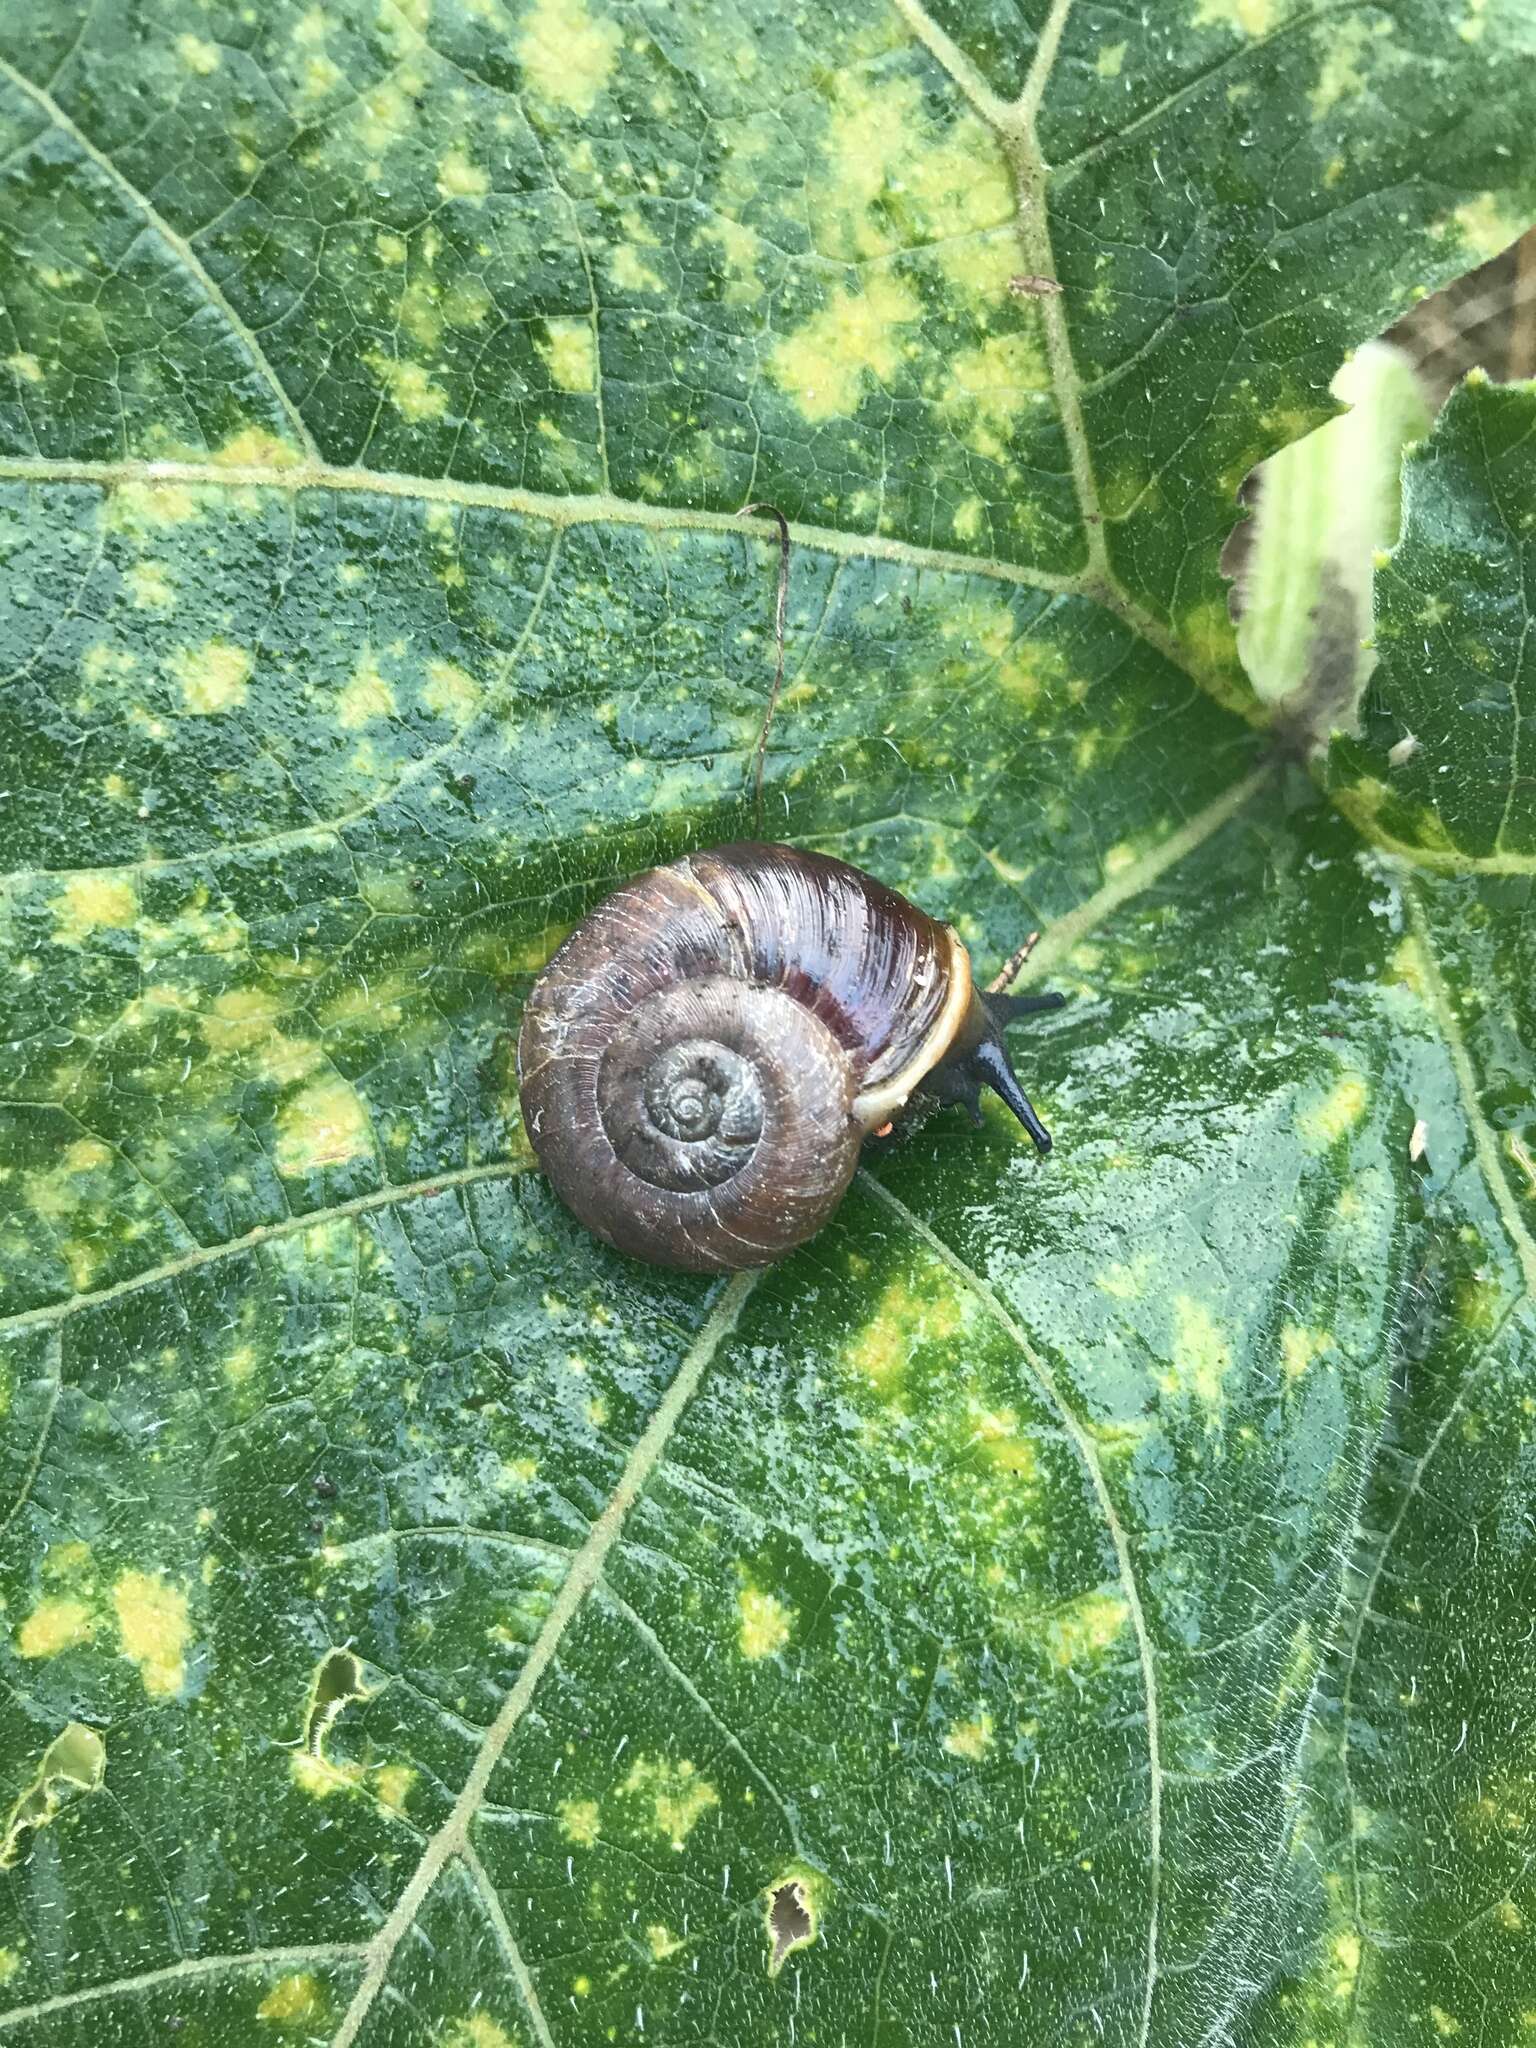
(876, 1106)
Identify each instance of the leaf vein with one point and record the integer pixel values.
(177, 243)
(585, 508)
(1088, 1453)
(264, 1233)
(522, 1976)
(452, 1838)
(189, 1966)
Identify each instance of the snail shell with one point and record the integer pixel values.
(702, 1059)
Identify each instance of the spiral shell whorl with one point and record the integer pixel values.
(691, 1060)
(679, 1089)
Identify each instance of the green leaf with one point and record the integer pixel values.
(1068, 1602)
(1444, 765)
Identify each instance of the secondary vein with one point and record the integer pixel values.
(452, 1838)
(177, 243)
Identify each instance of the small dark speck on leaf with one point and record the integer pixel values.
(906, 605)
(1029, 286)
(324, 1485)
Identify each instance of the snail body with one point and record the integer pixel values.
(703, 1058)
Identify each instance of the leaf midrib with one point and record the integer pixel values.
(452, 1838)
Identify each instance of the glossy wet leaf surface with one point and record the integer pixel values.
(1066, 1603)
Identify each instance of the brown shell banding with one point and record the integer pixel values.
(841, 993)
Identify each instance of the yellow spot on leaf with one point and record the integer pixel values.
(449, 691)
(239, 1019)
(970, 1739)
(100, 663)
(213, 677)
(1346, 1957)
(411, 391)
(1342, 76)
(1110, 61)
(393, 1783)
(298, 2000)
(991, 386)
(478, 2031)
(739, 248)
(1486, 228)
(567, 53)
(255, 448)
(1086, 1628)
(10, 1963)
(579, 1821)
(1007, 1450)
(1299, 1347)
(662, 1941)
(678, 1795)
(366, 695)
(153, 1623)
(764, 1623)
(90, 903)
(319, 1777)
(1253, 17)
(1125, 1283)
(458, 178)
(1332, 1118)
(66, 1560)
(149, 587)
(198, 56)
(631, 272)
(1409, 967)
(320, 75)
(1202, 1357)
(569, 351)
(968, 515)
(893, 176)
(325, 1125)
(386, 113)
(1444, 2023)
(856, 335)
(25, 366)
(1028, 670)
(52, 1626)
(904, 1317)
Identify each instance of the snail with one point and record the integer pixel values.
(703, 1058)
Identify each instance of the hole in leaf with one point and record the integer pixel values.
(791, 1922)
(338, 1681)
(74, 1762)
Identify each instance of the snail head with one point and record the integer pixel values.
(979, 1059)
